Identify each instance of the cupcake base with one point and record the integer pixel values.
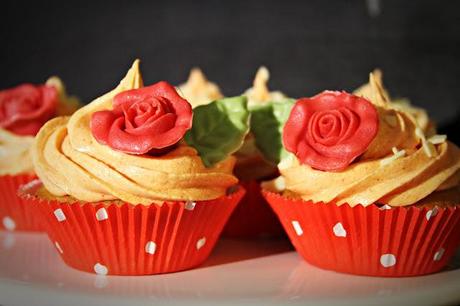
(15, 213)
(372, 240)
(124, 239)
(253, 217)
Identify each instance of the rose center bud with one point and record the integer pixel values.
(146, 111)
(329, 126)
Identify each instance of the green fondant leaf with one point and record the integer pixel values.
(219, 128)
(267, 123)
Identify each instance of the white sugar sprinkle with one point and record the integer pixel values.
(428, 147)
(396, 154)
(437, 139)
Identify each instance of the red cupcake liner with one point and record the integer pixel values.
(253, 217)
(125, 239)
(372, 240)
(15, 213)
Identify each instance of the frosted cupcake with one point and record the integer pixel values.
(23, 110)
(198, 90)
(133, 183)
(364, 190)
(253, 217)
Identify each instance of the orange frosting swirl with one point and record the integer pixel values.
(400, 167)
(70, 162)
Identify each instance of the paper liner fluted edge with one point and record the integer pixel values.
(125, 239)
(371, 240)
(253, 217)
(15, 213)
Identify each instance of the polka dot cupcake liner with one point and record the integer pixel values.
(372, 240)
(122, 239)
(253, 217)
(15, 213)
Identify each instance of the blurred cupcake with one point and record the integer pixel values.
(132, 185)
(253, 217)
(23, 110)
(364, 190)
(198, 90)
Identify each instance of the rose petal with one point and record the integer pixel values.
(100, 125)
(156, 127)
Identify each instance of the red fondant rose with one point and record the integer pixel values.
(25, 108)
(143, 120)
(330, 130)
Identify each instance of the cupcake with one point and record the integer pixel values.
(253, 217)
(23, 110)
(363, 189)
(198, 90)
(136, 183)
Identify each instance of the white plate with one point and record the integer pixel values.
(237, 273)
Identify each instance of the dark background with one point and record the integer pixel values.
(309, 46)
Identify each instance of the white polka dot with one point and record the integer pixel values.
(9, 223)
(58, 247)
(339, 230)
(385, 207)
(150, 247)
(59, 214)
(190, 205)
(431, 213)
(387, 260)
(200, 243)
(100, 269)
(298, 229)
(438, 255)
(101, 214)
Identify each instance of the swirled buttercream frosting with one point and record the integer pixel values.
(401, 165)
(71, 162)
